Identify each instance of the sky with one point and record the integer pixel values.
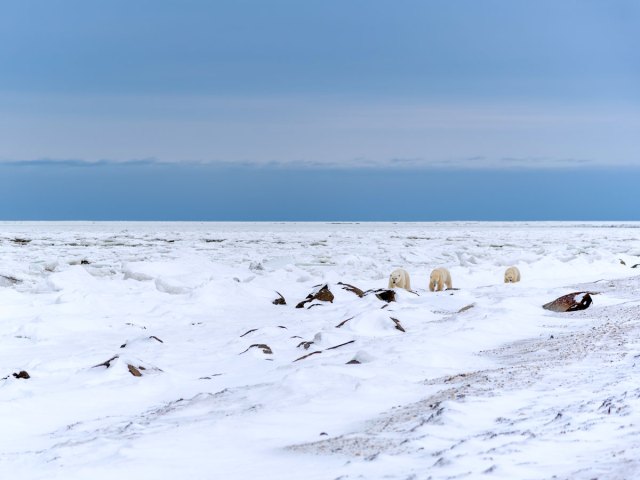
(379, 110)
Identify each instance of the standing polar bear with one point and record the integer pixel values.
(512, 275)
(400, 278)
(439, 278)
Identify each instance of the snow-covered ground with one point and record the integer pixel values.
(483, 382)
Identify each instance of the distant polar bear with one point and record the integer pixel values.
(400, 278)
(512, 275)
(439, 278)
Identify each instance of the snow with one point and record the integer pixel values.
(483, 382)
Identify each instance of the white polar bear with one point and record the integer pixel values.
(512, 275)
(439, 278)
(399, 278)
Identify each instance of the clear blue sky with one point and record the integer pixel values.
(164, 110)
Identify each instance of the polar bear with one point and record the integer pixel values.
(439, 278)
(512, 275)
(400, 278)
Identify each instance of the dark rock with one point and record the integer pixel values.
(7, 281)
(22, 374)
(398, 324)
(248, 332)
(306, 345)
(353, 362)
(323, 294)
(466, 307)
(352, 289)
(308, 355)
(84, 262)
(280, 300)
(106, 363)
(341, 345)
(21, 241)
(570, 302)
(134, 371)
(384, 294)
(344, 321)
(266, 349)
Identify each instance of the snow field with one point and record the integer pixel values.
(184, 303)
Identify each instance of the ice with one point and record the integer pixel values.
(482, 382)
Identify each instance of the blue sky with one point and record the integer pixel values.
(188, 103)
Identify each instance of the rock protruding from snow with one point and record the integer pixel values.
(322, 293)
(280, 300)
(570, 302)
(8, 281)
(383, 294)
(352, 289)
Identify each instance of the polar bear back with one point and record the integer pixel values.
(439, 278)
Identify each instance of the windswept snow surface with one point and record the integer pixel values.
(483, 383)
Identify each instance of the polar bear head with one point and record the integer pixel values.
(399, 278)
(396, 278)
(512, 275)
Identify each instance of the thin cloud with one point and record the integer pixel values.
(477, 162)
(50, 162)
